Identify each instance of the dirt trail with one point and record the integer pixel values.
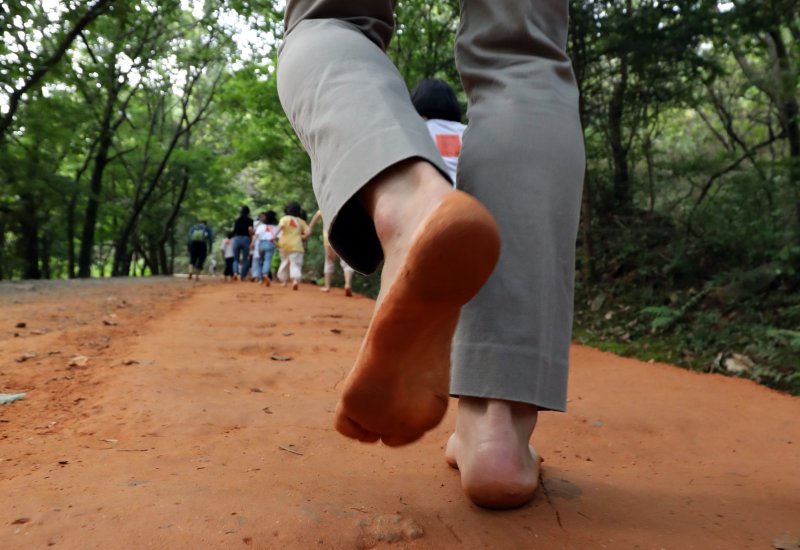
(184, 431)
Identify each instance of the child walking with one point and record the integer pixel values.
(226, 249)
(292, 231)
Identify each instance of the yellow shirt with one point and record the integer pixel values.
(292, 229)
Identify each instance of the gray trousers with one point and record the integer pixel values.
(522, 157)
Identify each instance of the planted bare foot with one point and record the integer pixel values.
(325, 289)
(440, 246)
(348, 291)
(491, 449)
(295, 285)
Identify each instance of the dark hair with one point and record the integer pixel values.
(272, 218)
(293, 209)
(244, 212)
(230, 234)
(434, 98)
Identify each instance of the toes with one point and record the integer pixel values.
(398, 440)
(349, 428)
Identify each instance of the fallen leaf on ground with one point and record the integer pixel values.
(336, 331)
(78, 361)
(20, 521)
(276, 357)
(256, 390)
(110, 322)
(21, 324)
(288, 333)
(25, 356)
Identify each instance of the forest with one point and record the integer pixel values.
(124, 122)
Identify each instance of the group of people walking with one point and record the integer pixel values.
(250, 246)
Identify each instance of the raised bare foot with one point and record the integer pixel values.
(440, 246)
(295, 286)
(348, 291)
(490, 447)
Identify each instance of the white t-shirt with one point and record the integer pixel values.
(265, 232)
(447, 135)
(227, 247)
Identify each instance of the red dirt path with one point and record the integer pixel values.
(182, 432)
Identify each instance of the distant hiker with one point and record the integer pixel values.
(200, 240)
(226, 249)
(242, 232)
(264, 239)
(436, 103)
(330, 259)
(292, 231)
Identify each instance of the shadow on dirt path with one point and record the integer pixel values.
(202, 419)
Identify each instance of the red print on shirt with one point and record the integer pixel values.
(449, 145)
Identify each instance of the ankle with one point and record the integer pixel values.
(488, 420)
(399, 197)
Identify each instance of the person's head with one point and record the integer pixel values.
(204, 222)
(272, 217)
(262, 217)
(293, 209)
(244, 212)
(230, 234)
(434, 98)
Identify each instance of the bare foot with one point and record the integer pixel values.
(348, 291)
(295, 286)
(490, 447)
(440, 246)
(325, 289)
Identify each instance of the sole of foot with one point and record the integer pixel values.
(399, 386)
(295, 286)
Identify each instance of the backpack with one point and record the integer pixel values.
(198, 234)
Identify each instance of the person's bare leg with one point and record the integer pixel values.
(330, 256)
(490, 447)
(348, 282)
(431, 235)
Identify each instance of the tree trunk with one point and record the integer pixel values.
(619, 153)
(790, 114)
(29, 237)
(95, 188)
(2, 248)
(45, 256)
(71, 207)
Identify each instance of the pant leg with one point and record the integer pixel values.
(266, 263)
(351, 110)
(257, 267)
(523, 158)
(241, 249)
(296, 266)
(283, 269)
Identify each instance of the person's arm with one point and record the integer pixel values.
(314, 219)
(306, 229)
